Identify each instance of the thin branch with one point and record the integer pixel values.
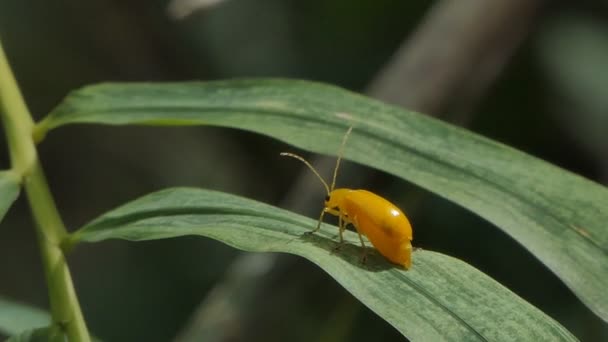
(18, 125)
(457, 52)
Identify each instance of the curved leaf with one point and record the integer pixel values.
(9, 190)
(439, 298)
(16, 317)
(560, 217)
(47, 334)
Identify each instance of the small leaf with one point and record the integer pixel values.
(47, 334)
(439, 298)
(560, 217)
(9, 190)
(16, 317)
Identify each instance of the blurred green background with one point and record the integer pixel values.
(550, 100)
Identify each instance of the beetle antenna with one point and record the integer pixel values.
(340, 154)
(287, 154)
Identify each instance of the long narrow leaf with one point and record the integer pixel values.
(9, 190)
(439, 298)
(560, 217)
(46, 334)
(16, 317)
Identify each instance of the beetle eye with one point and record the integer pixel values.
(327, 198)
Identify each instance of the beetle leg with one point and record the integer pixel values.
(319, 223)
(341, 227)
(325, 210)
(364, 253)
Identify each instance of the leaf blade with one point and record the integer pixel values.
(45, 334)
(559, 216)
(9, 190)
(16, 317)
(440, 298)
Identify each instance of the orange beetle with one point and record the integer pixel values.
(385, 225)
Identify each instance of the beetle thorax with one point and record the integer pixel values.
(336, 198)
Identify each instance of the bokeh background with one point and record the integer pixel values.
(532, 74)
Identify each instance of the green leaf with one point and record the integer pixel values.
(47, 334)
(16, 317)
(439, 298)
(9, 190)
(560, 217)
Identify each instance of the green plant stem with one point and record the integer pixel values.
(18, 125)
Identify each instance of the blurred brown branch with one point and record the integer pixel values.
(456, 53)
